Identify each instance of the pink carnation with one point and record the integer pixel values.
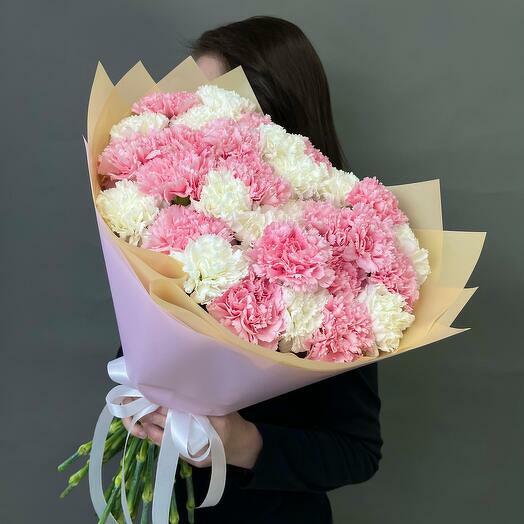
(265, 187)
(346, 331)
(399, 276)
(370, 240)
(174, 173)
(176, 225)
(336, 226)
(316, 154)
(292, 256)
(371, 192)
(122, 157)
(169, 104)
(253, 309)
(348, 279)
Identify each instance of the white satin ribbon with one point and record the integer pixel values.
(184, 436)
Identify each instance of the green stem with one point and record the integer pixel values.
(74, 479)
(85, 448)
(114, 444)
(141, 457)
(186, 472)
(82, 450)
(147, 493)
(115, 492)
(174, 517)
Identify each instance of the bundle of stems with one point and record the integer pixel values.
(139, 462)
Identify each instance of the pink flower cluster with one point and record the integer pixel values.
(328, 250)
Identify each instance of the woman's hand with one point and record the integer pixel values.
(241, 438)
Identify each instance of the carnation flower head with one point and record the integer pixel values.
(265, 188)
(292, 256)
(399, 276)
(168, 104)
(229, 137)
(315, 154)
(345, 333)
(253, 309)
(388, 316)
(304, 313)
(176, 225)
(337, 186)
(370, 244)
(349, 278)
(336, 226)
(286, 153)
(212, 266)
(121, 158)
(142, 124)
(127, 211)
(408, 243)
(371, 192)
(223, 196)
(215, 103)
(175, 172)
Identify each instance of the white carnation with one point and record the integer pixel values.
(212, 266)
(387, 313)
(336, 187)
(285, 152)
(304, 313)
(127, 211)
(216, 103)
(223, 196)
(408, 244)
(276, 143)
(220, 99)
(249, 225)
(143, 124)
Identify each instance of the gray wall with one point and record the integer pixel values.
(422, 89)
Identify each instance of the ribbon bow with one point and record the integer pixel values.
(184, 436)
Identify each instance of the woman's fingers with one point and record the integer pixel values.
(155, 418)
(137, 430)
(154, 433)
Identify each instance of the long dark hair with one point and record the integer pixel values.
(286, 75)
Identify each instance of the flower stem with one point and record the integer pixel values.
(115, 492)
(82, 450)
(186, 472)
(141, 457)
(147, 493)
(174, 517)
(74, 480)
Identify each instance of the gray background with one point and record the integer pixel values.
(421, 89)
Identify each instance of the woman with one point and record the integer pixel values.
(285, 453)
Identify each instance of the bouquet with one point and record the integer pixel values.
(242, 265)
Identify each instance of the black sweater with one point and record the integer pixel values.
(315, 439)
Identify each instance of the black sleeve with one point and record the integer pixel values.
(119, 352)
(345, 451)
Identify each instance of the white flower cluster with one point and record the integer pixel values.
(337, 186)
(142, 124)
(212, 265)
(127, 210)
(304, 313)
(216, 103)
(286, 153)
(223, 196)
(249, 225)
(408, 243)
(388, 317)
